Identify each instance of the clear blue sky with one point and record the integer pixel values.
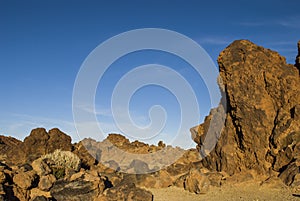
(43, 44)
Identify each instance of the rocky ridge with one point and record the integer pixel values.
(259, 141)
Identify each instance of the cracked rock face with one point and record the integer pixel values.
(262, 125)
(298, 57)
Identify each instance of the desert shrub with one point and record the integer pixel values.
(64, 159)
(59, 173)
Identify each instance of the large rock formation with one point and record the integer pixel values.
(262, 125)
(38, 143)
(298, 57)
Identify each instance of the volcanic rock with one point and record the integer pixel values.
(41, 167)
(25, 180)
(46, 182)
(2, 177)
(196, 182)
(39, 143)
(10, 150)
(261, 100)
(298, 57)
(126, 191)
(74, 191)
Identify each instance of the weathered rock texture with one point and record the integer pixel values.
(298, 57)
(262, 125)
(38, 143)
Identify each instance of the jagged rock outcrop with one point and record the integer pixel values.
(298, 57)
(262, 127)
(38, 143)
(9, 146)
(41, 142)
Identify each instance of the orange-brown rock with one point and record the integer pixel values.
(262, 127)
(38, 143)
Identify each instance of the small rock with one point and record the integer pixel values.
(76, 176)
(290, 173)
(41, 167)
(21, 194)
(46, 182)
(75, 190)
(35, 192)
(40, 198)
(127, 191)
(196, 182)
(2, 177)
(2, 192)
(25, 180)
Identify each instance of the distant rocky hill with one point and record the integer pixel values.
(259, 141)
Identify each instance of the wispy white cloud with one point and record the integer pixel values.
(215, 40)
(288, 22)
(99, 111)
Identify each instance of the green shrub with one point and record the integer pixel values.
(59, 173)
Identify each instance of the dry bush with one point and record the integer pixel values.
(65, 159)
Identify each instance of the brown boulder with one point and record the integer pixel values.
(196, 182)
(262, 129)
(19, 194)
(10, 150)
(46, 182)
(126, 191)
(41, 167)
(2, 177)
(74, 191)
(88, 152)
(39, 143)
(291, 173)
(25, 180)
(36, 192)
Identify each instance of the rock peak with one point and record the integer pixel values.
(261, 131)
(298, 57)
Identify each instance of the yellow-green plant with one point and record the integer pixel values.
(64, 159)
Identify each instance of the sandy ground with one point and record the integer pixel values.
(246, 192)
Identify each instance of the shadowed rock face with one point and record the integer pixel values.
(298, 57)
(262, 125)
(38, 143)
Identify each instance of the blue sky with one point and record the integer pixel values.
(44, 43)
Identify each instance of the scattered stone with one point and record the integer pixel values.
(36, 192)
(127, 191)
(2, 177)
(25, 180)
(196, 182)
(74, 190)
(41, 167)
(19, 193)
(290, 173)
(76, 176)
(2, 192)
(40, 198)
(46, 182)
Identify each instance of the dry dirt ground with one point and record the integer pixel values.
(240, 192)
